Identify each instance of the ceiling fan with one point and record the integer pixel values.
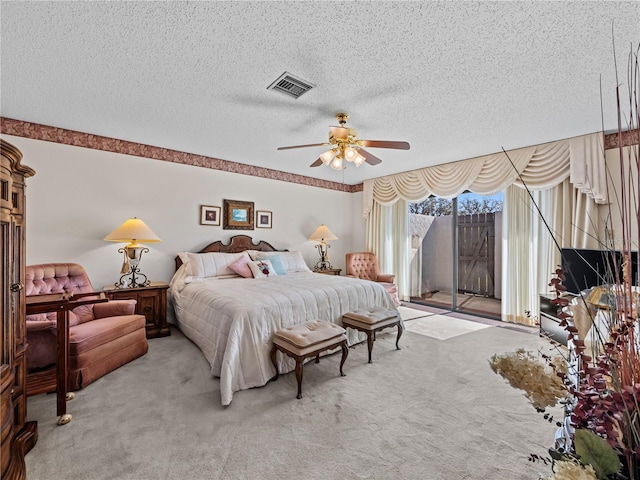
(345, 145)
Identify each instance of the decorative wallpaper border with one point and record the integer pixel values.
(36, 131)
(630, 137)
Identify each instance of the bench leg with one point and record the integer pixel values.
(370, 343)
(400, 331)
(299, 376)
(273, 360)
(345, 353)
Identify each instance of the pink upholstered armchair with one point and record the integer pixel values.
(102, 336)
(365, 265)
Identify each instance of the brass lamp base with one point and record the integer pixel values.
(323, 263)
(130, 268)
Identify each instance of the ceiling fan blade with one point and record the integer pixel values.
(317, 163)
(304, 146)
(369, 158)
(384, 144)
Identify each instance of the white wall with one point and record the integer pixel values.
(358, 228)
(79, 195)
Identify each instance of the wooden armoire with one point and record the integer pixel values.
(17, 435)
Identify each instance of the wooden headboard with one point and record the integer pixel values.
(237, 243)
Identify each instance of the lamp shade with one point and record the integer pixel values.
(337, 163)
(327, 156)
(322, 233)
(133, 230)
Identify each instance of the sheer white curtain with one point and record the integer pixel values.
(578, 224)
(535, 225)
(519, 242)
(387, 236)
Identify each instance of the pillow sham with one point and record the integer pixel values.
(184, 258)
(212, 264)
(262, 269)
(276, 261)
(241, 267)
(292, 261)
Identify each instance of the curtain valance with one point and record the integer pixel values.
(541, 167)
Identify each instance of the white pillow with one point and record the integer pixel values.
(293, 261)
(276, 261)
(213, 264)
(262, 269)
(184, 258)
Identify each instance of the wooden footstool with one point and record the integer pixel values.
(307, 340)
(371, 320)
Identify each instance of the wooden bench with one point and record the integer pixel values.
(371, 320)
(306, 340)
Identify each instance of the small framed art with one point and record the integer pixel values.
(237, 215)
(263, 219)
(209, 215)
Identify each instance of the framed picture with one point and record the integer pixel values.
(209, 215)
(237, 215)
(263, 219)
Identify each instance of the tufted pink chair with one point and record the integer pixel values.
(365, 265)
(102, 336)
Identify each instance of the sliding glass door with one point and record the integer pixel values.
(431, 256)
(455, 256)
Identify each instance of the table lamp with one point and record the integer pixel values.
(322, 234)
(131, 232)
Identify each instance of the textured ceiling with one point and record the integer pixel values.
(454, 79)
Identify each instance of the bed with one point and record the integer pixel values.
(232, 317)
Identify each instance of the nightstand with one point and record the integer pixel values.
(151, 302)
(329, 271)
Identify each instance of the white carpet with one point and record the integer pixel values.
(410, 313)
(440, 327)
(433, 410)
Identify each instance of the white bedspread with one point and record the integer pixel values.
(232, 320)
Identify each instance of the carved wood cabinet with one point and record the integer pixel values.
(17, 435)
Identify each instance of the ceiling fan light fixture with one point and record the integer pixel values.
(350, 154)
(327, 156)
(359, 160)
(337, 163)
(347, 147)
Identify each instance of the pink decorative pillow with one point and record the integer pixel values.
(241, 266)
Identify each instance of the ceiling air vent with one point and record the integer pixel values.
(290, 85)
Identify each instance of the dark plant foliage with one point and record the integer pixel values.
(537, 458)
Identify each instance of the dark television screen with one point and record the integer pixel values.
(589, 268)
